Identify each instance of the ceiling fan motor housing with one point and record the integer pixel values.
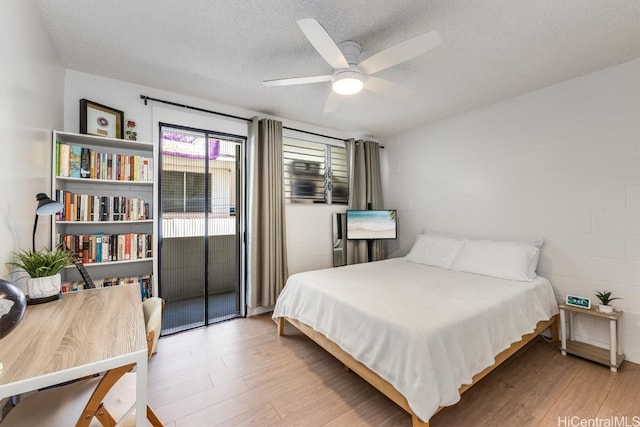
(351, 51)
(348, 81)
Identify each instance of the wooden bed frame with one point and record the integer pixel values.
(390, 391)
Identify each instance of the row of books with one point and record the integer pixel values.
(76, 161)
(87, 207)
(100, 247)
(145, 282)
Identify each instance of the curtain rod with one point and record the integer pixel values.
(146, 99)
(313, 133)
(319, 134)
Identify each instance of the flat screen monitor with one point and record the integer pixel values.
(372, 224)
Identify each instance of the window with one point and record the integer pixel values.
(183, 192)
(315, 172)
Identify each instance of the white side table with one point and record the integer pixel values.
(611, 357)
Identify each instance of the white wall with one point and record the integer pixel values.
(562, 163)
(310, 236)
(31, 95)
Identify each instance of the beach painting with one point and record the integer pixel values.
(371, 224)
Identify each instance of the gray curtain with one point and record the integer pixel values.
(365, 192)
(267, 247)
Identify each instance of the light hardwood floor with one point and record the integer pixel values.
(239, 373)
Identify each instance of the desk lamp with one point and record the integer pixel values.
(46, 206)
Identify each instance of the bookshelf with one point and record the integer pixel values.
(107, 187)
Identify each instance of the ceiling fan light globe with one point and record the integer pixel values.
(348, 83)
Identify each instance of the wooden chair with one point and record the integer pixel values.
(115, 390)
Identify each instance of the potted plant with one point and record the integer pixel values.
(43, 268)
(605, 298)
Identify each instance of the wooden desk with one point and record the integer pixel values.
(83, 333)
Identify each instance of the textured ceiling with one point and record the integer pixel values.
(222, 50)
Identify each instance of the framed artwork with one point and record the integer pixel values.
(100, 120)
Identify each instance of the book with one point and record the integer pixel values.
(67, 206)
(105, 248)
(92, 164)
(64, 151)
(103, 166)
(92, 248)
(83, 207)
(127, 246)
(104, 206)
(99, 247)
(85, 162)
(85, 248)
(75, 154)
(145, 170)
(96, 209)
(60, 195)
(121, 247)
(136, 168)
(149, 245)
(109, 166)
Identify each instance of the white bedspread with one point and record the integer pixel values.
(425, 330)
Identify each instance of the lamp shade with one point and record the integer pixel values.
(47, 206)
(348, 82)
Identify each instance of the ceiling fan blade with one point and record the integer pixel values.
(401, 52)
(386, 87)
(331, 104)
(323, 43)
(297, 81)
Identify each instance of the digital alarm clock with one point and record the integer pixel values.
(576, 301)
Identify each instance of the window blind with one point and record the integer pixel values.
(314, 172)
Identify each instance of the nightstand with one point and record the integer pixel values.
(611, 357)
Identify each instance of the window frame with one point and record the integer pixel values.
(328, 174)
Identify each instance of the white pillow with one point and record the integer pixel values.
(434, 250)
(506, 260)
(531, 240)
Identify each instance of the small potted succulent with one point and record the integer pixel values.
(43, 268)
(605, 298)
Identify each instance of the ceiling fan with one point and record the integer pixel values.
(350, 75)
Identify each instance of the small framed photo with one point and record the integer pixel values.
(100, 120)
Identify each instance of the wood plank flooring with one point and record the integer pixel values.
(240, 373)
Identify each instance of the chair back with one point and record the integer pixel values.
(152, 309)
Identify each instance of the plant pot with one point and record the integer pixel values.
(43, 289)
(605, 309)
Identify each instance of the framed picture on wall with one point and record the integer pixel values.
(100, 120)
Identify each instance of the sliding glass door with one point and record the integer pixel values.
(200, 259)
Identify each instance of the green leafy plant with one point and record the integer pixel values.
(605, 297)
(42, 263)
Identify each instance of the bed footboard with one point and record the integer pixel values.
(352, 364)
(389, 390)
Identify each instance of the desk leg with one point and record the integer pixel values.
(563, 333)
(141, 390)
(613, 345)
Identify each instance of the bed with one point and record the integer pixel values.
(419, 333)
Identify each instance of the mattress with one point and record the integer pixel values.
(423, 329)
